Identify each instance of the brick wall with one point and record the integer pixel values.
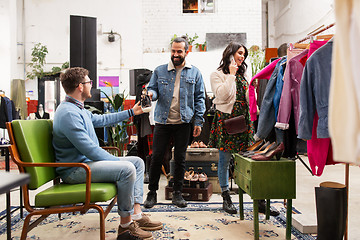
(163, 18)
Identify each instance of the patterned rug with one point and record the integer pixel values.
(200, 221)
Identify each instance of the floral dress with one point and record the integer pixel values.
(236, 143)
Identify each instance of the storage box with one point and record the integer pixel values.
(192, 194)
(199, 160)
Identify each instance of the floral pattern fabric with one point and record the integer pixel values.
(219, 138)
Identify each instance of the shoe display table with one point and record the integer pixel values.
(265, 180)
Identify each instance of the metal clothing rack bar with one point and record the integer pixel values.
(316, 33)
(302, 161)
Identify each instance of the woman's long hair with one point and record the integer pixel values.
(231, 49)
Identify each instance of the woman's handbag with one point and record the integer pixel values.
(235, 125)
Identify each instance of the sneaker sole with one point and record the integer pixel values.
(152, 228)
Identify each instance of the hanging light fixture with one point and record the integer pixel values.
(111, 37)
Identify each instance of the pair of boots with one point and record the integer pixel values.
(229, 207)
(177, 199)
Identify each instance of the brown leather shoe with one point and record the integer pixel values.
(146, 224)
(136, 231)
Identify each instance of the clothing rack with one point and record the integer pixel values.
(316, 33)
(347, 165)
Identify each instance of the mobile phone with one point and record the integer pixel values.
(231, 58)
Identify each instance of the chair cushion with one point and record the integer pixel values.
(65, 194)
(34, 142)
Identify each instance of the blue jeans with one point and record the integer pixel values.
(127, 173)
(223, 169)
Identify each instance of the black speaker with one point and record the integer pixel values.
(134, 73)
(83, 45)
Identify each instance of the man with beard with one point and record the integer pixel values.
(75, 140)
(179, 90)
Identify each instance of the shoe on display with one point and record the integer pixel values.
(145, 101)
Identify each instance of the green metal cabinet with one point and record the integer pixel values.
(265, 180)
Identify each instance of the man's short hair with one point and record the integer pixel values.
(182, 39)
(282, 50)
(72, 77)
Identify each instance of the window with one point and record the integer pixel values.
(198, 6)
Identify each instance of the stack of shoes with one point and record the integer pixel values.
(195, 179)
(274, 150)
(187, 178)
(259, 147)
(203, 180)
(198, 144)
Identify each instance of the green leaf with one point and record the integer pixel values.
(118, 101)
(110, 100)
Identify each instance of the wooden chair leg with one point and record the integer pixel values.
(25, 227)
(102, 221)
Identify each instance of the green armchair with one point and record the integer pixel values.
(31, 149)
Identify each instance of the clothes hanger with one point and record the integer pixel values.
(324, 37)
(2, 93)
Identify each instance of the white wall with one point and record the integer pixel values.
(48, 22)
(7, 44)
(146, 28)
(292, 20)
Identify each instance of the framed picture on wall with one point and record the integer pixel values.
(198, 6)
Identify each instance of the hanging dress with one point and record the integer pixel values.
(219, 138)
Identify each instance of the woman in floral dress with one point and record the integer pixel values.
(229, 87)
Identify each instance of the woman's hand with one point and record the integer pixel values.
(137, 109)
(233, 67)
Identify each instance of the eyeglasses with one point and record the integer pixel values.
(91, 82)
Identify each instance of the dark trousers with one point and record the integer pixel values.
(180, 133)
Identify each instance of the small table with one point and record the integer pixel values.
(5, 147)
(265, 180)
(12, 180)
(8, 182)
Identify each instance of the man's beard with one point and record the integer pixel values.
(86, 95)
(177, 61)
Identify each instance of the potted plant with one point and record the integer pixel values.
(117, 135)
(201, 46)
(191, 40)
(37, 63)
(257, 59)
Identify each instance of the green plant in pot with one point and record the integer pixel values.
(191, 40)
(117, 135)
(257, 59)
(201, 46)
(38, 56)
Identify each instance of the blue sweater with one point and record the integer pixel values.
(74, 137)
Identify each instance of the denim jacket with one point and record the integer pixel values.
(192, 93)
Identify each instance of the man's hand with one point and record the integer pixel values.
(197, 131)
(150, 94)
(137, 109)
